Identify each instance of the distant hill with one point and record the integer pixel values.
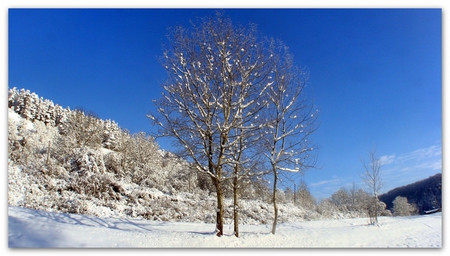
(426, 194)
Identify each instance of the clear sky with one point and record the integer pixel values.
(376, 75)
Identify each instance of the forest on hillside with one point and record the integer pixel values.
(426, 194)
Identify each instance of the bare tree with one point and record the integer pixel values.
(372, 177)
(217, 78)
(247, 168)
(353, 196)
(291, 119)
(304, 196)
(341, 198)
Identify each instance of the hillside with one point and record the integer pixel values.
(426, 194)
(69, 161)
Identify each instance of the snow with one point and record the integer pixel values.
(105, 151)
(13, 116)
(29, 228)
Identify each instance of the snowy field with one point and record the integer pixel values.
(40, 229)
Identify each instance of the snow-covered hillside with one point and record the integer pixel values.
(121, 175)
(40, 229)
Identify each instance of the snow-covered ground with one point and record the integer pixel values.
(29, 228)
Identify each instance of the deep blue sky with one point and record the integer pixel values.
(376, 75)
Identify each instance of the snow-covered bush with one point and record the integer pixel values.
(18, 183)
(402, 207)
(327, 209)
(112, 162)
(101, 186)
(87, 160)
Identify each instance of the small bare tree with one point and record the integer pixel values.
(372, 177)
(341, 198)
(304, 197)
(291, 118)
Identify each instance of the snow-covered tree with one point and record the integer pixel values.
(20, 139)
(327, 209)
(372, 177)
(353, 193)
(303, 196)
(218, 77)
(111, 132)
(24, 104)
(401, 207)
(82, 129)
(352, 199)
(342, 198)
(32, 107)
(138, 156)
(290, 120)
(13, 95)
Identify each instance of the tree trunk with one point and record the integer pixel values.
(236, 206)
(377, 211)
(47, 162)
(189, 182)
(274, 199)
(220, 210)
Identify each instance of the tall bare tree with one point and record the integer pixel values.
(372, 177)
(218, 75)
(246, 164)
(291, 118)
